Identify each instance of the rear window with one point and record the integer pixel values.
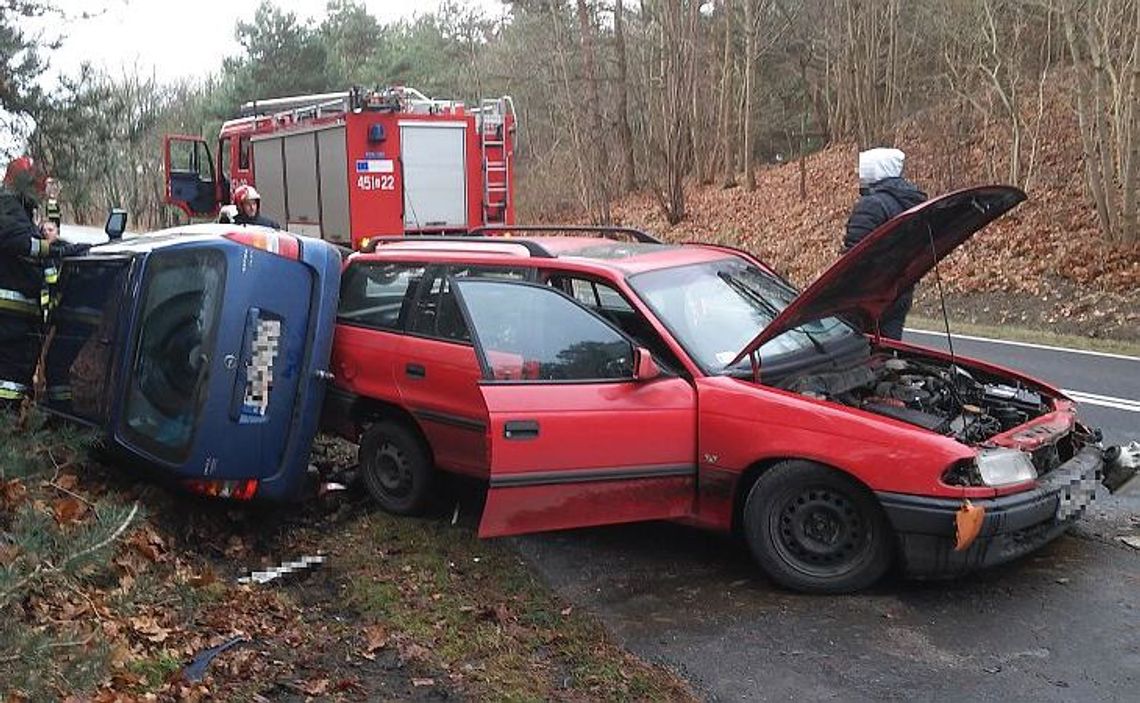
(177, 326)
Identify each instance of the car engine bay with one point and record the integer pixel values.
(946, 398)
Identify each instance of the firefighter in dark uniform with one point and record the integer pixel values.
(248, 202)
(24, 256)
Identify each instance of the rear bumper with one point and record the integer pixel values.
(1013, 526)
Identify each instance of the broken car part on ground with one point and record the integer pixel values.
(593, 381)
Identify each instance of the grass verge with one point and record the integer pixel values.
(485, 618)
(1023, 334)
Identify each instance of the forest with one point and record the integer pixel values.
(649, 96)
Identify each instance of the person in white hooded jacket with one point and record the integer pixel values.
(883, 193)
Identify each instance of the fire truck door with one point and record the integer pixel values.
(190, 180)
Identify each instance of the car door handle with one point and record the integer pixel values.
(415, 370)
(520, 429)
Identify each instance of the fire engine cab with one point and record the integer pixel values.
(363, 163)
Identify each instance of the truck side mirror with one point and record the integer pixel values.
(116, 224)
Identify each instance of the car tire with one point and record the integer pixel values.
(816, 530)
(396, 468)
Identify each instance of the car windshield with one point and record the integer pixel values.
(714, 309)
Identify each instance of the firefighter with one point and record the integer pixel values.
(248, 202)
(24, 260)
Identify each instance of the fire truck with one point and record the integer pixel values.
(348, 166)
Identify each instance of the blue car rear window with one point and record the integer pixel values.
(177, 327)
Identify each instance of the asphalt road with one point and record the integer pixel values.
(1060, 625)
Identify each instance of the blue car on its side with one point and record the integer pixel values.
(199, 353)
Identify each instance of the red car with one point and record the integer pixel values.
(592, 381)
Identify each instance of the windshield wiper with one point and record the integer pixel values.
(745, 290)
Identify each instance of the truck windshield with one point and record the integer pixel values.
(177, 325)
(714, 309)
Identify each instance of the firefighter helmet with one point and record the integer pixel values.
(24, 177)
(244, 193)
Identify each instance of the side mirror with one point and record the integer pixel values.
(644, 367)
(116, 224)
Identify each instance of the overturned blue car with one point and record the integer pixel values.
(199, 353)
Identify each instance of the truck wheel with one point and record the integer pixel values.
(396, 468)
(816, 530)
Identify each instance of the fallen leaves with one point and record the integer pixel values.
(375, 638)
(148, 628)
(68, 511)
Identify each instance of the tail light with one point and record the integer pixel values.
(280, 243)
(237, 490)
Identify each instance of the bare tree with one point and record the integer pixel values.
(728, 146)
(629, 174)
(597, 180)
(749, 90)
(673, 78)
(1103, 38)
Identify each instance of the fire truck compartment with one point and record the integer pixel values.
(302, 180)
(435, 175)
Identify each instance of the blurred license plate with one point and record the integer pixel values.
(1075, 496)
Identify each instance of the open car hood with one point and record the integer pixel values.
(863, 283)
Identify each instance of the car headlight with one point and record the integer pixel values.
(1000, 466)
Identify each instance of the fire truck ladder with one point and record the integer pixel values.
(496, 159)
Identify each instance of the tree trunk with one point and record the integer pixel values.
(728, 148)
(628, 174)
(598, 179)
(749, 59)
(1088, 147)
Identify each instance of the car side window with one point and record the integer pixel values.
(437, 313)
(608, 302)
(533, 333)
(598, 295)
(437, 310)
(379, 294)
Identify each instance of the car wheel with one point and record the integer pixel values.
(396, 468)
(817, 530)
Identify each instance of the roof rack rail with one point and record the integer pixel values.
(604, 230)
(535, 249)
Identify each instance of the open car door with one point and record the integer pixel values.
(190, 180)
(583, 429)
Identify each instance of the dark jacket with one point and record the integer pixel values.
(260, 220)
(878, 203)
(20, 242)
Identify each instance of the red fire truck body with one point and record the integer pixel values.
(349, 166)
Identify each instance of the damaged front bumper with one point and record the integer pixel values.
(1013, 525)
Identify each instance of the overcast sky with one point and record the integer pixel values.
(185, 39)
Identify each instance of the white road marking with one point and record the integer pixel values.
(1046, 347)
(1127, 404)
